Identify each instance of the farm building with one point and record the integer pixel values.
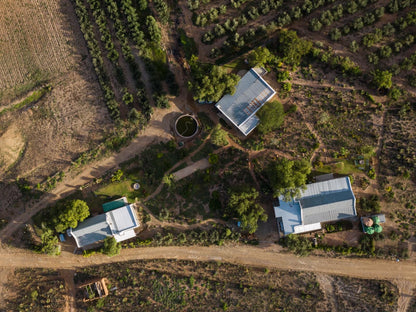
(324, 201)
(240, 108)
(118, 222)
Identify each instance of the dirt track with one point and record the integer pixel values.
(259, 256)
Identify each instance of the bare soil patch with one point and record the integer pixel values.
(11, 144)
(41, 41)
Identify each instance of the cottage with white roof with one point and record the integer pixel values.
(118, 223)
(324, 201)
(240, 109)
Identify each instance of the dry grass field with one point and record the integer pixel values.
(41, 44)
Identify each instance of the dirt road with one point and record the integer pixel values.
(249, 255)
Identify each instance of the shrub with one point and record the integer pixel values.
(271, 117)
(298, 244)
(111, 247)
(219, 136)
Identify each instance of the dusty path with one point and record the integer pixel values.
(199, 165)
(406, 291)
(249, 255)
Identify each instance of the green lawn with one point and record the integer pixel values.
(123, 188)
(341, 167)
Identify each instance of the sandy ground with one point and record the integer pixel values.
(11, 144)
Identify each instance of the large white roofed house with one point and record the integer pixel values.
(240, 108)
(324, 201)
(118, 223)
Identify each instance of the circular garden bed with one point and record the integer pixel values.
(186, 126)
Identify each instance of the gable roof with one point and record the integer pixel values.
(119, 223)
(250, 95)
(320, 202)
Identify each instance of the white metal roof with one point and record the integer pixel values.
(320, 202)
(251, 93)
(119, 223)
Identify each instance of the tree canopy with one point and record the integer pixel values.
(259, 56)
(288, 176)
(211, 82)
(219, 136)
(49, 243)
(244, 206)
(291, 48)
(70, 214)
(382, 79)
(271, 117)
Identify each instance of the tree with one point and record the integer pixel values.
(168, 179)
(219, 136)
(49, 243)
(161, 101)
(210, 82)
(111, 247)
(291, 48)
(73, 212)
(127, 97)
(136, 117)
(382, 79)
(116, 176)
(271, 117)
(259, 57)
(288, 177)
(244, 206)
(153, 29)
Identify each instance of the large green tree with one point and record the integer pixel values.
(259, 57)
(70, 214)
(211, 82)
(244, 206)
(288, 177)
(271, 117)
(290, 48)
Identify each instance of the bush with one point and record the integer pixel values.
(111, 247)
(219, 136)
(271, 117)
(371, 204)
(298, 244)
(161, 101)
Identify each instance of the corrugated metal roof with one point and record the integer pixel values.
(329, 212)
(326, 187)
(290, 214)
(321, 202)
(91, 230)
(250, 95)
(327, 201)
(122, 219)
(118, 223)
(249, 125)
